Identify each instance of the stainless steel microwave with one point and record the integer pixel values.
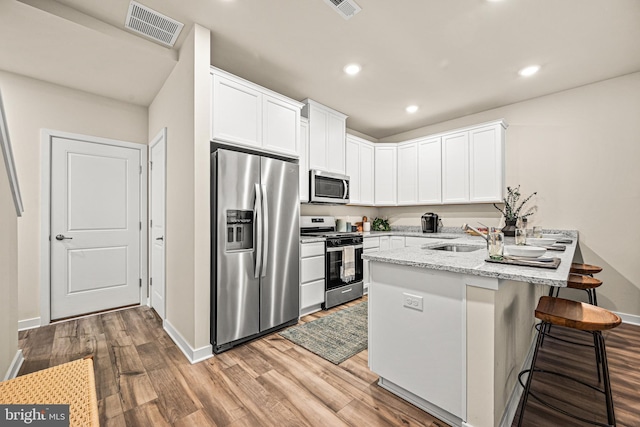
(326, 187)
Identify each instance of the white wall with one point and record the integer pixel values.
(8, 273)
(32, 105)
(183, 107)
(579, 149)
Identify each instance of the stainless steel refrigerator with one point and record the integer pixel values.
(254, 246)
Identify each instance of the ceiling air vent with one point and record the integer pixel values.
(152, 24)
(346, 8)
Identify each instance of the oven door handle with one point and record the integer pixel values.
(340, 248)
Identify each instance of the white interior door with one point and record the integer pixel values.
(95, 227)
(157, 223)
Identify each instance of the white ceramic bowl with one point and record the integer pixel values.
(556, 236)
(524, 251)
(540, 241)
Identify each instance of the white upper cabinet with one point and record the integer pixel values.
(359, 168)
(430, 171)
(353, 168)
(327, 129)
(408, 173)
(367, 176)
(249, 115)
(304, 160)
(473, 164)
(237, 112)
(386, 175)
(280, 126)
(486, 164)
(455, 167)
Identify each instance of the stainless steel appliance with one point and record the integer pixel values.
(343, 260)
(430, 223)
(255, 250)
(326, 187)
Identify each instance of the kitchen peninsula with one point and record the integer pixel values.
(450, 332)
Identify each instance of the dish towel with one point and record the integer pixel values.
(348, 264)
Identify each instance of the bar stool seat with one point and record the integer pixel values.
(587, 269)
(575, 315)
(582, 317)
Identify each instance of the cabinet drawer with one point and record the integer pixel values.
(311, 294)
(416, 241)
(312, 249)
(371, 242)
(311, 269)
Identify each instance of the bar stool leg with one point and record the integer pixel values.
(530, 377)
(611, 417)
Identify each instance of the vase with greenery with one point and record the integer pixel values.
(513, 210)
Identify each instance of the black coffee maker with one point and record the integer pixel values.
(430, 223)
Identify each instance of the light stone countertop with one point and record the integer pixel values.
(474, 262)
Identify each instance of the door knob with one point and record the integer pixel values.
(160, 238)
(61, 237)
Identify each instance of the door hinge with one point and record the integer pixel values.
(150, 281)
(150, 223)
(140, 169)
(140, 225)
(151, 165)
(141, 282)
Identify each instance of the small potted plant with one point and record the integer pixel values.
(512, 210)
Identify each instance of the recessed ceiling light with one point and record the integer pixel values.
(412, 109)
(529, 71)
(352, 69)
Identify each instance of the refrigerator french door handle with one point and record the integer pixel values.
(257, 220)
(346, 189)
(265, 237)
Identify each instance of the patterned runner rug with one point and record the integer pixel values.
(335, 337)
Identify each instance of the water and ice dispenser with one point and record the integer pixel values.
(239, 230)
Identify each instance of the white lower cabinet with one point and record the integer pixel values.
(311, 277)
(397, 242)
(369, 245)
(416, 241)
(385, 243)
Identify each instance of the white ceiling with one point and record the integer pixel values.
(450, 57)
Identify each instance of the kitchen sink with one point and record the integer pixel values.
(457, 248)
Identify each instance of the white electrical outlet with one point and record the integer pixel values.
(413, 301)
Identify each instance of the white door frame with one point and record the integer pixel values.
(160, 137)
(46, 139)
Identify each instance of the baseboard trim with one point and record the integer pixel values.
(15, 366)
(26, 324)
(192, 354)
(514, 399)
(631, 319)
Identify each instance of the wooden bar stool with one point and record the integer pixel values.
(585, 283)
(586, 269)
(582, 317)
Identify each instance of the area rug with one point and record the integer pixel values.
(335, 337)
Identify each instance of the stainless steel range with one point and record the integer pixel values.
(343, 259)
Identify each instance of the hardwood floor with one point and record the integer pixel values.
(143, 379)
(622, 345)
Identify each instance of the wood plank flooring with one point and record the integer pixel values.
(143, 379)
